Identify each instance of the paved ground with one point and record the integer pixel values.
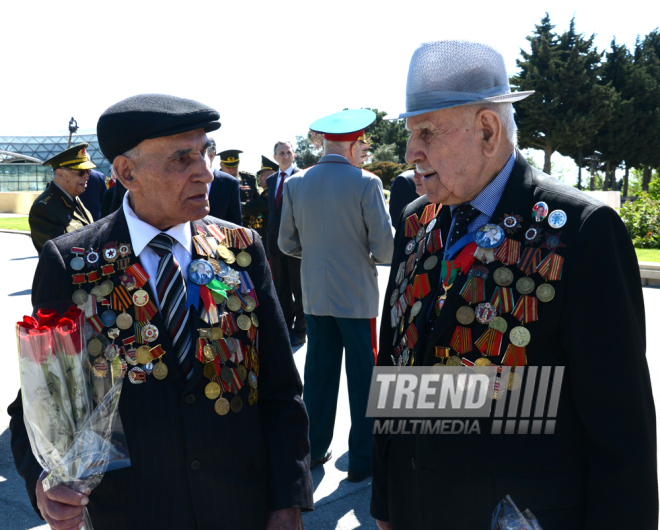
(340, 505)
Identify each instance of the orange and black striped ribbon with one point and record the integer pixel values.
(551, 267)
(490, 342)
(412, 225)
(502, 299)
(514, 356)
(509, 252)
(461, 341)
(530, 259)
(527, 309)
(429, 213)
(474, 290)
(120, 298)
(411, 335)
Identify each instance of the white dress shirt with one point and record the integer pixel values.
(142, 234)
(279, 176)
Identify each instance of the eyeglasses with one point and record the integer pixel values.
(80, 173)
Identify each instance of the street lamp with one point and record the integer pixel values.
(73, 127)
(593, 159)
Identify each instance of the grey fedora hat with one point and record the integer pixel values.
(449, 73)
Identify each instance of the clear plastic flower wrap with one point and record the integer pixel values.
(507, 516)
(70, 407)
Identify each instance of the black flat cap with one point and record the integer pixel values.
(125, 124)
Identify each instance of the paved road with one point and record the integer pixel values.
(340, 505)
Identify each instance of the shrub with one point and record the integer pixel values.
(387, 171)
(642, 219)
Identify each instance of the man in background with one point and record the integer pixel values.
(405, 188)
(224, 193)
(285, 269)
(93, 195)
(256, 210)
(58, 209)
(334, 218)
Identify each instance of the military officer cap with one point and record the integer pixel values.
(267, 163)
(127, 123)
(75, 157)
(344, 126)
(230, 157)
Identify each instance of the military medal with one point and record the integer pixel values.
(488, 236)
(79, 297)
(95, 347)
(216, 333)
(525, 285)
(532, 235)
(209, 352)
(255, 320)
(149, 333)
(394, 296)
(100, 368)
(110, 253)
(485, 313)
(143, 355)
(233, 303)
(410, 246)
(519, 336)
(111, 351)
(209, 370)
(226, 374)
(160, 370)
(77, 263)
(222, 406)
(545, 292)
(498, 324)
(225, 254)
(243, 259)
(128, 281)
(482, 361)
(140, 298)
(106, 288)
(136, 375)
(430, 262)
(252, 379)
(212, 390)
(250, 304)
(124, 321)
(557, 218)
(92, 257)
(108, 318)
(511, 223)
(244, 322)
(430, 226)
(242, 372)
(236, 404)
(420, 234)
(503, 276)
(148, 367)
(454, 360)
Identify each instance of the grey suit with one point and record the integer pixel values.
(334, 217)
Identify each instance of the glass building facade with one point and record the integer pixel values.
(21, 157)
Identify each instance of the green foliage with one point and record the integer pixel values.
(307, 151)
(386, 171)
(642, 219)
(385, 153)
(386, 132)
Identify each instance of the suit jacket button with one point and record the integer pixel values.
(194, 465)
(190, 399)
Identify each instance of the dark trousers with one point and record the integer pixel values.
(286, 277)
(327, 337)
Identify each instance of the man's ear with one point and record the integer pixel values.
(122, 167)
(491, 130)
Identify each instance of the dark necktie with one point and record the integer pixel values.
(280, 188)
(463, 215)
(171, 292)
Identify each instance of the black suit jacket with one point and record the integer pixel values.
(190, 468)
(113, 199)
(274, 215)
(93, 195)
(402, 193)
(225, 198)
(601, 460)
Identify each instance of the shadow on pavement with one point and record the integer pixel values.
(21, 293)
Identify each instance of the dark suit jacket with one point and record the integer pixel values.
(257, 211)
(92, 197)
(190, 468)
(274, 216)
(601, 460)
(402, 193)
(225, 198)
(113, 199)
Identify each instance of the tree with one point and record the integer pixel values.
(387, 132)
(385, 153)
(308, 150)
(569, 104)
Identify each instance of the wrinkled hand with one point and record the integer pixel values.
(287, 519)
(61, 507)
(383, 525)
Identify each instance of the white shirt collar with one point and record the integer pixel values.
(142, 233)
(287, 171)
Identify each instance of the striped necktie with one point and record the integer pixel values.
(171, 292)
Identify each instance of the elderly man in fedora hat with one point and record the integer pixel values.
(563, 291)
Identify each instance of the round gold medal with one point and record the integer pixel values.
(454, 360)
(223, 252)
(236, 404)
(233, 303)
(482, 361)
(243, 259)
(160, 371)
(79, 297)
(209, 353)
(124, 321)
(226, 374)
(143, 355)
(525, 285)
(222, 406)
(212, 390)
(430, 262)
(216, 334)
(215, 264)
(255, 320)
(545, 292)
(94, 347)
(106, 287)
(250, 304)
(244, 322)
(217, 297)
(465, 315)
(140, 298)
(498, 324)
(503, 276)
(209, 370)
(520, 336)
(242, 372)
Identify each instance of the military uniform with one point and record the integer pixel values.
(255, 211)
(247, 181)
(55, 212)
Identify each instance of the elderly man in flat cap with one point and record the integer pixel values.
(561, 291)
(216, 429)
(58, 209)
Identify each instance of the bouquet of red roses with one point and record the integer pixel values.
(72, 420)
